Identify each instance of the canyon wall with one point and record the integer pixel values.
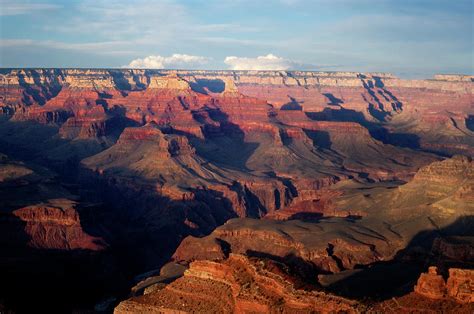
(151, 164)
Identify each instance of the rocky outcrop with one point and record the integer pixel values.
(41, 115)
(454, 77)
(448, 172)
(55, 225)
(431, 284)
(12, 172)
(236, 285)
(85, 124)
(171, 82)
(320, 248)
(442, 185)
(459, 286)
(38, 213)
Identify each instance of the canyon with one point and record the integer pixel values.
(274, 191)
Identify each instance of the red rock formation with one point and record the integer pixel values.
(85, 124)
(325, 246)
(448, 172)
(56, 225)
(460, 285)
(310, 202)
(236, 285)
(415, 303)
(431, 284)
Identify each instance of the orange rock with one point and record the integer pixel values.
(236, 285)
(460, 285)
(56, 225)
(431, 284)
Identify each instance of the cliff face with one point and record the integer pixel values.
(433, 294)
(236, 285)
(328, 246)
(37, 213)
(404, 106)
(343, 243)
(102, 79)
(337, 96)
(459, 286)
(55, 225)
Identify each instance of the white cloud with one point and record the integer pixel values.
(174, 61)
(15, 42)
(18, 7)
(268, 62)
(104, 47)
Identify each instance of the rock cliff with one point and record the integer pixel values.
(236, 285)
(459, 286)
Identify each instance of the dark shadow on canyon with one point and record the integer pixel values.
(293, 104)
(204, 85)
(333, 100)
(223, 143)
(141, 227)
(470, 122)
(303, 271)
(387, 279)
(376, 130)
(40, 92)
(52, 280)
(321, 139)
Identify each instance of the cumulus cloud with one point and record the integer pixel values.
(174, 61)
(268, 62)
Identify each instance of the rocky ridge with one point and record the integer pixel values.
(236, 285)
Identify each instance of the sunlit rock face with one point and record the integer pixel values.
(237, 285)
(459, 285)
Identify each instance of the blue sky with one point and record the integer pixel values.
(411, 38)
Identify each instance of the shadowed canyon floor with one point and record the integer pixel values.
(276, 191)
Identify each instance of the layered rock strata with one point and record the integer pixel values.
(236, 285)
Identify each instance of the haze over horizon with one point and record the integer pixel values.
(407, 38)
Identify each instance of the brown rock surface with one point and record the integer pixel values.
(431, 284)
(236, 285)
(415, 303)
(331, 246)
(56, 225)
(460, 285)
(433, 295)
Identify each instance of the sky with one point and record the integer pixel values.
(410, 38)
